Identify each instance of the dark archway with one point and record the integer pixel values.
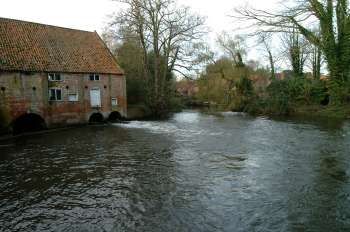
(28, 123)
(115, 116)
(96, 118)
(325, 101)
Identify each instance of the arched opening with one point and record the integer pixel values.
(325, 101)
(28, 123)
(96, 118)
(115, 116)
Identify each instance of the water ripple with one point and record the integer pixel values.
(194, 172)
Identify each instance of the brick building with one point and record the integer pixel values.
(53, 76)
(187, 88)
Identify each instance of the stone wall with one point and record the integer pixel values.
(22, 93)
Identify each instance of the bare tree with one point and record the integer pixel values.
(333, 19)
(265, 40)
(296, 49)
(316, 61)
(166, 33)
(233, 47)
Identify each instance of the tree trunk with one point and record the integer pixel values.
(316, 63)
(272, 66)
(337, 83)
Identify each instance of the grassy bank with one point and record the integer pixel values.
(339, 112)
(335, 112)
(295, 96)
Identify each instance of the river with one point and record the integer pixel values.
(193, 172)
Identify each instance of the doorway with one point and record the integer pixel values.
(95, 97)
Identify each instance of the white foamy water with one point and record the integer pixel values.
(161, 128)
(228, 114)
(178, 125)
(156, 127)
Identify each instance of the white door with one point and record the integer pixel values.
(95, 97)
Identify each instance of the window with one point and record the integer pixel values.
(55, 77)
(55, 94)
(94, 77)
(72, 97)
(114, 101)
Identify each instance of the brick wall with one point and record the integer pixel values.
(22, 93)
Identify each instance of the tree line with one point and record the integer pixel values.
(156, 41)
(325, 24)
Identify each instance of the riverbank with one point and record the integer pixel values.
(138, 111)
(332, 112)
(337, 112)
(310, 111)
(143, 112)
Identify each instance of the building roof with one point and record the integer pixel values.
(34, 47)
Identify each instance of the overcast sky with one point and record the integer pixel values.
(93, 15)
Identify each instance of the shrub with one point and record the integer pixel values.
(283, 96)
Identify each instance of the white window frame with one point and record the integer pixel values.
(116, 101)
(55, 75)
(55, 94)
(73, 93)
(96, 77)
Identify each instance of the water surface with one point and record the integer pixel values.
(194, 172)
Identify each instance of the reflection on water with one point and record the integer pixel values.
(194, 172)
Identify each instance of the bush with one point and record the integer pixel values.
(283, 96)
(136, 91)
(176, 104)
(243, 94)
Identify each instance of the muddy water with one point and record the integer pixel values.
(194, 172)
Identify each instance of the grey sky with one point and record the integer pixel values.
(93, 14)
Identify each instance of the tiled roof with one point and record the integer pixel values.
(26, 46)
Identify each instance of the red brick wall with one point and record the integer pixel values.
(18, 96)
(118, 90)
(28, 93)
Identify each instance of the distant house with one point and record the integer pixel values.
(260, 82)
(284, 74)
(52, 76)
(289, 74)
(187, 88)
